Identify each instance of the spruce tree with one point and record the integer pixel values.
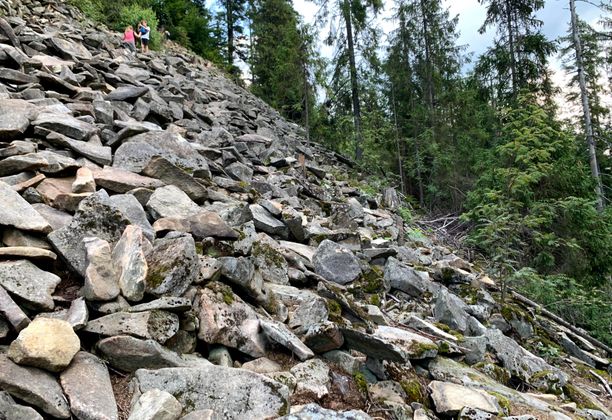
(350, 30)
(282, 59)
(520, 51)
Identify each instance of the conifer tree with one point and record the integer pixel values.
(349, 32)
(282, 59)
(586, 60)
(520, 50)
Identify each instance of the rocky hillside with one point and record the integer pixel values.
(171, 248)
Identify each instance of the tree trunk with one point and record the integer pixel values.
(229, 20)
(511, 46)
(306, 104)
(346, 13)
(400, 163)
(428, 64)
(586, 109)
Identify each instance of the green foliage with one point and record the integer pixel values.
(186, 21)
(580, 304)
(132, 15)
(93, 9)
(284, 60)
(406, 214)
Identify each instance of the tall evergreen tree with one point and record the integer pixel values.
(350, 30)
(282, 58)
(521, 50)
(232, 15)
(424, 82)
(586, 61)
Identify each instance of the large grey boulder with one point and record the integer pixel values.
(20, 163)
(312, 378)
(92, 151)
(121, 180)
(137, 151)
(409, 280)
(173, 265)
(71, 49)
(204, 224)
(279, 333)
(415, 346)
(129, 206)
(129, 354)
(18, 213)
(95, 217)
(336, 263)
(15, 117)
(100, 276)
(451, 310)
(28, 282)
(157, 325)
(12, 312)
(34, 386)
(171, 201)
(521, 363)
(65, 124)
(265, 222)
(56, 218)
(126, 93)
(240, 172)
(231, 393)
(448, 370)
(162, 169)
(226, 319)
(87, 385)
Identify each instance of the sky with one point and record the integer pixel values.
(471, 13)
(471, 16)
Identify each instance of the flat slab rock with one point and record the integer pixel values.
(121, 180)
(450, 398)
(19, 213)
(157, 325)
(314, 411)
(34, 386)
(87, 384)
(231, 393)
(15, 117)
(10, 410)
(137, 151)
(130, 354)
(156, 405)
(28, 282)
(389, 343)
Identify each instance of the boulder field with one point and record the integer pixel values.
(172, 248)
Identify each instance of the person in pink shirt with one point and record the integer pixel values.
(129, 39)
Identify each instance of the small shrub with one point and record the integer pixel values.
(93, 9)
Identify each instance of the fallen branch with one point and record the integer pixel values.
(561, 321)
(603, 382)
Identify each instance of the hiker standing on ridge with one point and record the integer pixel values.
(129, 38)
(144, 33)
